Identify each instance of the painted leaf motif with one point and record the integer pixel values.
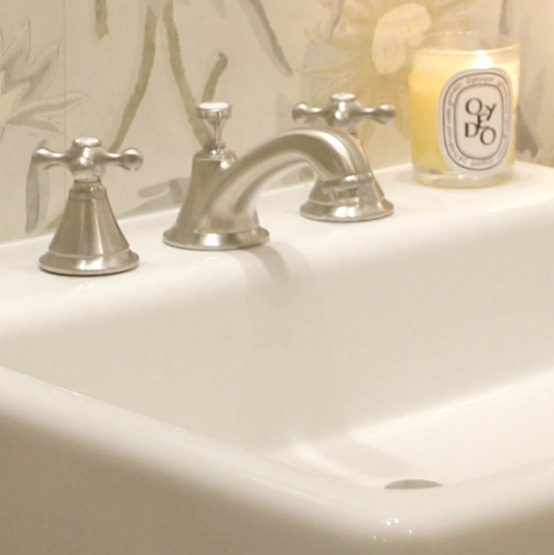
(23, 82)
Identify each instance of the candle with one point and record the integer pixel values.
(463, 93)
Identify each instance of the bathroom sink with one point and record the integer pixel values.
(383, 387)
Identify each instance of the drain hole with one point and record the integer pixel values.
(413, 484)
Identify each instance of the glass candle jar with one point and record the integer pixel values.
(463, 95)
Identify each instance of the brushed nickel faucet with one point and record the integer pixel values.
(342, 112)
(219, 212)
(88, 240)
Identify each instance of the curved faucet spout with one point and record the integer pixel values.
(220, 210)
(333, 156)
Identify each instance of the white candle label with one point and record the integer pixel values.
(475, 120)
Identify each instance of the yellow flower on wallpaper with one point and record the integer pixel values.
(365, 47)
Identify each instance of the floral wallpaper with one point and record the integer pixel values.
(131, 72)
(532, 23)
(365, 42)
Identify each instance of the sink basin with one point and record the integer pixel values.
(382, 387)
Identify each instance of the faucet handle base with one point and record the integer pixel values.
(354, 199)
(89, 241)
(101, 265)
(346, 213)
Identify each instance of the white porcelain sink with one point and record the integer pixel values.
(261, 401)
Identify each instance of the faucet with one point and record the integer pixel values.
(88, 241)
(342, 111)
(219, 212)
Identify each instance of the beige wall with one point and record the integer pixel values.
(130, 72)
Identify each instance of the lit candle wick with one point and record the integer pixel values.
(483, 61)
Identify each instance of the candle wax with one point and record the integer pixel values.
(431, 70)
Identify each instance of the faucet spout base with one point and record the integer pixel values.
(215, 241)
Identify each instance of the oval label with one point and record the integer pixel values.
(475, 120)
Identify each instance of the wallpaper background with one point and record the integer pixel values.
(131, 71)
